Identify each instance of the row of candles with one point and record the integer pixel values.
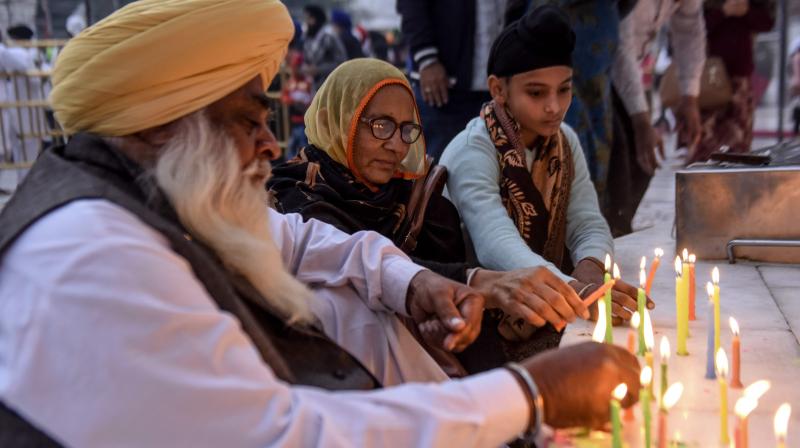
(717, 366)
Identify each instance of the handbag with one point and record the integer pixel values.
(421, 192)
(715, 86)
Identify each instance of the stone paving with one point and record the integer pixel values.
(764, 298)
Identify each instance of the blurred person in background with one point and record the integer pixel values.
(731, 25)
(449, 42)
(794, 83)
(322, 48)
(343, 27)
(297, 95)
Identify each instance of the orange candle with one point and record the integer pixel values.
(736, 380)
(598, 293)
(692, 286)
(653, 267)
(633, 333)
(743, 407)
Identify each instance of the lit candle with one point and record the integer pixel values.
(681, 306)
(664, 352)
(616, 425)
(632, 332)
(670, 398)
(711, 372)
(782, 424)
(722, 373)
(736, 380)
(640, 302)
(757, 389)
(650, 343)
(715, 279)
(653, 268)
(692, 287)
(744, 406)
(609, 337)
(646, 378)
(599, 333)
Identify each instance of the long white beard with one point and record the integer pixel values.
(226, 207)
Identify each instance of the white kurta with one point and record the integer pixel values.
(108, 339)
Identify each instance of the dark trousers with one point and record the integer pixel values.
(441, 124)
(627, 182)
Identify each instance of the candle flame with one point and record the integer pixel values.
(782, 420)
(678, 266)
(744, 406)
(685, 255)
(692, 258)
(635, 320)
(607, 264)
(710, 290)
(642, 279)
(715, 275)
(599, 333)
(734, 326)
(646, 376)
(643, 263)
(664, 352)
(620, 391)
(757, 389)
(649, 339)
(672, 395)
(721, 363)
(617, 276)
(659, 252)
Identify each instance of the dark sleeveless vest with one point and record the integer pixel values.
(89, 168)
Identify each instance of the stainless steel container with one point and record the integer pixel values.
(756, 206)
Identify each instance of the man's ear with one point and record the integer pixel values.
(498, 89)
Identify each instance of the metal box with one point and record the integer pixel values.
(757, 206)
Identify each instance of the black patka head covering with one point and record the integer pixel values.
(541, 38)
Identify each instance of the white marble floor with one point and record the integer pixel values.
(765, 299)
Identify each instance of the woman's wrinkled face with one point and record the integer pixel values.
(538, 99)
(378, 160)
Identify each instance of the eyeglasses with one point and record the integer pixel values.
(383, 128)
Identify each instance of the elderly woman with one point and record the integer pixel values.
(366, 145)
(518, 175)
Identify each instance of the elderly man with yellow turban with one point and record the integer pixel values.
(149, 297)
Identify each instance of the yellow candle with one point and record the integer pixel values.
(722, 373)
(715, 280)
(781, 424)
(681, 307)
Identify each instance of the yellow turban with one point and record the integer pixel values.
(155, 61)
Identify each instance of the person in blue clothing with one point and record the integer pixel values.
(517, 173)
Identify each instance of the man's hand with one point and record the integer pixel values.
(434, 84)
(623, 295)
(735, 8)
(689, 126)
(448, 313)
(647, 141)
(576, 382)
(535, 294)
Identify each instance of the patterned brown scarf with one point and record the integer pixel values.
(536, 200)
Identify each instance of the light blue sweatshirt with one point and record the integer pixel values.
(473, 185)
